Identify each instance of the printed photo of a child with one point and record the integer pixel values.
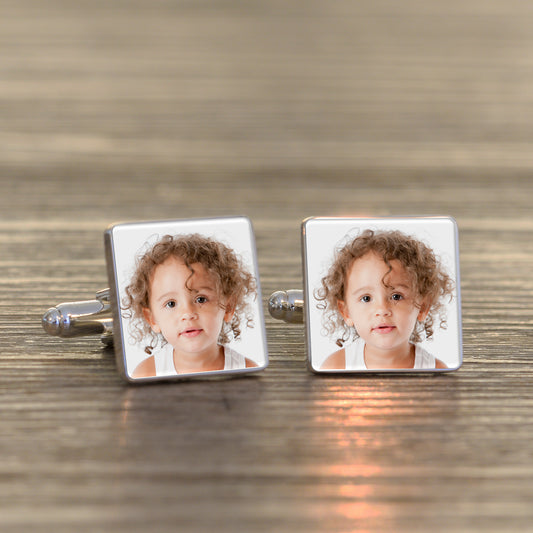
(187, 304)
(383, 297)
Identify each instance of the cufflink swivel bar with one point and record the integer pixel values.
(287, 306)
(76, 319)
(94, 317)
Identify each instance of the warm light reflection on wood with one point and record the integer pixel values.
(124, 415)
(354, 470)
(352, 420)
(355, 491)
(358, 511)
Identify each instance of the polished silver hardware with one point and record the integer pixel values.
(76, 319)
(287, 306)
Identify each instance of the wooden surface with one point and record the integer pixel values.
(151, 109)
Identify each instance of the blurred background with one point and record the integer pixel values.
(380, 106)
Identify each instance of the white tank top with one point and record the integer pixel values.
(355, 356)
(164, 360)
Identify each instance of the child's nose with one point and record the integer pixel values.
(382, 307)
(188, 311)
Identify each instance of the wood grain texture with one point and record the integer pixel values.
(142, 110)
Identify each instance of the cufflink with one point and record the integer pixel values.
(183, 300)
(380, 295)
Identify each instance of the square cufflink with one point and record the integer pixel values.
(380, 295)
(183, 300)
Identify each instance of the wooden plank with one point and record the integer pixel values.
(151, 110)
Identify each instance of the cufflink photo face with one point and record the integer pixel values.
(382, 294)
(188, 298)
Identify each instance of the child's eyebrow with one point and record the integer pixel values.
(369, 288)
(173, 294)
(362, 289)
(401, 286)
(203, 289)
(166, 295)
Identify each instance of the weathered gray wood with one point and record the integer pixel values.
(132, 110)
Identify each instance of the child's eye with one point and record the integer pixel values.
(201, 299)
(397, 297)
(365, 298)
(171, 304)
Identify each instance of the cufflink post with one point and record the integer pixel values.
(287, 306)
(76, 319)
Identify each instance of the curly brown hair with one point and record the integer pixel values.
(233, 283)
(429, 281)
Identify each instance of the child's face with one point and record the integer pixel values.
(185, 309)
(383, 316)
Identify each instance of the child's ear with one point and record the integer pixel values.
(423, 312)
(228, 314)
(343, 310)
(150, 319)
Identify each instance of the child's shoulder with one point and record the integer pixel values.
(335, 361)
(235, 359)
(145, 369)
(425, 359)
(250, 363)
(439, 364)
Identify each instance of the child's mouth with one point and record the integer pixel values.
(189, 333)
(384, 328)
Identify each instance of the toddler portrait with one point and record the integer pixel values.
(188, 293)
(383, 293)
